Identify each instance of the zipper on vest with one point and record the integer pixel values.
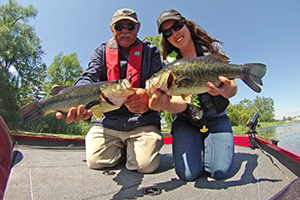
(129, 77)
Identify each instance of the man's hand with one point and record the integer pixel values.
(75, 114)
(138, 102)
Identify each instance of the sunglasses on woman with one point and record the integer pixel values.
(120, 27)
(176, 27)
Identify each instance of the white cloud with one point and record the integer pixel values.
(287, 113)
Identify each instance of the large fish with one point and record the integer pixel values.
(100, 97)
(190, 75)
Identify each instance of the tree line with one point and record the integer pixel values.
(25, 78)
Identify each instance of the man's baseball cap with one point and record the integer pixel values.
(125, 13)
(167, 15)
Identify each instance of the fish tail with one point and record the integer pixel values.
(254, 74)
(30, 113)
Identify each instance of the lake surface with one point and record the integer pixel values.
(287, 134)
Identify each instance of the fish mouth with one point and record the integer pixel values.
(164, 82)
(170, 81)
(107, 99)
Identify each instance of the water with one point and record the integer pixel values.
(287, 134)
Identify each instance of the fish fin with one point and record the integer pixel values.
(93, 118)
(254, 73)
(219, 57)
(185, 97)
(30, 112)
(97, 112)
(92, 104)
(98, 115)
(56, 89)
(189, 99)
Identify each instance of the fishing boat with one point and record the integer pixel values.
(55, 168)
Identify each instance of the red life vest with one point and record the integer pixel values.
(134, 65)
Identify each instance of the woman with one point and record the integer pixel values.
(196, 150)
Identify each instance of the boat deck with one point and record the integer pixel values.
(60, 172)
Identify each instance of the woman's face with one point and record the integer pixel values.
(180, 38)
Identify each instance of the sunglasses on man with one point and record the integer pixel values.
(130, 26)
(176, 27)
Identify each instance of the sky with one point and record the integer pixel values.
(264, 31)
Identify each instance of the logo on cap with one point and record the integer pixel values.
(126, 12)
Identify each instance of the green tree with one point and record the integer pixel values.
(7, 91)
(168, 117)
(265, 107)
(20, 49)
(233, 115)
(39, 93)
(241, 112)
(156, 40)
(64, 70)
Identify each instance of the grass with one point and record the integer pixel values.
(56, 135)
(241, 130)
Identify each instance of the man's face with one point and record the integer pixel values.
(124, 36)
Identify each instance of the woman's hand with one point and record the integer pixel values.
(159, 101)
(228, 89)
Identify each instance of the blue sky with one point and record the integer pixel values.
(265, 31)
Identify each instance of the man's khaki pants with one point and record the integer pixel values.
(104, 148)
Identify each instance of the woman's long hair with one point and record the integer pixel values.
(197, 33)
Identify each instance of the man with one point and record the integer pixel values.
(134, 125)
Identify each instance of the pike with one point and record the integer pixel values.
(100, 97)
(189, 76)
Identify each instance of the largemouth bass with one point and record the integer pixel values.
(100, 97)
(190, 75)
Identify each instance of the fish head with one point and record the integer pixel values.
(117, 91)
(163, 81)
